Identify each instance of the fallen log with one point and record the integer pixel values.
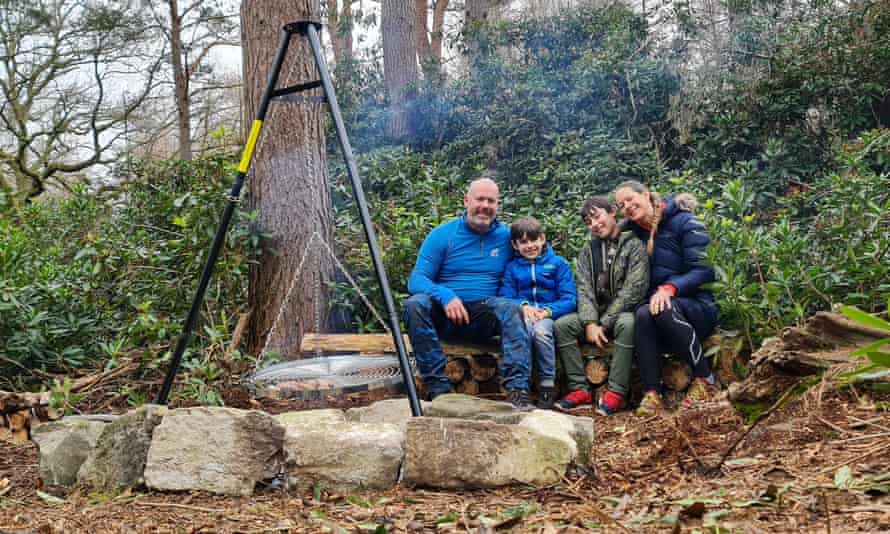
(824, 341)
(380, 344)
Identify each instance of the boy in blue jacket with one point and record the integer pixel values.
(543, 284)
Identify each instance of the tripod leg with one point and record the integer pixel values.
(225, 220)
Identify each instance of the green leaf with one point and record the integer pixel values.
(450, 517)
(871, 347)
(879, 358)
(710, 518)
(843, 478)
(50, 499)
(359, 501)
(864, 318)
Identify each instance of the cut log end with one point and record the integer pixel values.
(457, 369)
(483, 367)
(597, 371)
(676, 375)
(467, 387)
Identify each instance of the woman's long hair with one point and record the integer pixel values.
(655, 200)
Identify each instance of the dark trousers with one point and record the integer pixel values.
(669, 331)
(427, 323)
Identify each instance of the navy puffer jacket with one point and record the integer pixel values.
(677, 259)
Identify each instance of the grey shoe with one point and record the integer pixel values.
(545, 399)
(520, 400)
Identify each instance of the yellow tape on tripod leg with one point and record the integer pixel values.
(251, 143)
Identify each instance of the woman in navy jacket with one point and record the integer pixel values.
(679, 312)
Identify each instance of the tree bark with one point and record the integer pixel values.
(180, 83)
(288, 183)
(399, 60)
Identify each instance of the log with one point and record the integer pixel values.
(380, 344)
(483, 367)
(491, 387)
(825, 340)
(676, 375)
(467, 387)
(457, 369)
(597, 371)
(19, 425)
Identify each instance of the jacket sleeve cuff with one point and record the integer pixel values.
(670, 288)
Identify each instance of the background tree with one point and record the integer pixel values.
(339, 27)
(193, 29)
(429, 40)
(62, 62)
(399, 60)
(288, 182)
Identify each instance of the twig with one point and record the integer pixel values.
(864, 422)
(688, 443)
(832, 425)
(177, 505)
(866, 454)
(860, 438)
(593, 507)
(827, 513)
(761, 417)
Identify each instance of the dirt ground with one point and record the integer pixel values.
(809, 467)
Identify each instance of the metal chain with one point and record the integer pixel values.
(298, 273)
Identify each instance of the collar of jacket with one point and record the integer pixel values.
(491, 228)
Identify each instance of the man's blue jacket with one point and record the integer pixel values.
(544, 282)
(456, 261)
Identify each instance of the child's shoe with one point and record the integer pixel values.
(650, 404)
(699, 392)
(520, 400)
(575, 399)
(610, 403)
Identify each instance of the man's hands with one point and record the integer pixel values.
(660, 301)
(533, 314)
(456, 312)
(596, 334)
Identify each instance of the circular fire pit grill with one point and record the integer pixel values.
(314, 378)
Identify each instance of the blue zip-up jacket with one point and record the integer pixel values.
(455, 261)
(544, 282)
(677, 259)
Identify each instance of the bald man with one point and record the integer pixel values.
(454, 288)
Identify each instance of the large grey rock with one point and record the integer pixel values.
(459, 406)
(341, 456)
(311, 417)
(64, 446)
(575, 432)
(220, 450)
(455, 453)
(396, 411)
(118, 459)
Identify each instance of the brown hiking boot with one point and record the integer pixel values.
(651, 403)
(701, 391)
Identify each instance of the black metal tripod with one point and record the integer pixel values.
(309, 29)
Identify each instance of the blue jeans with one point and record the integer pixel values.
(544, 346)
(426, 322)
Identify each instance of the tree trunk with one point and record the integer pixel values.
(399, 60)
(481, 12)
(424, 51)
(437, 32)
(180, 83)
(341, 41)
(288, 183)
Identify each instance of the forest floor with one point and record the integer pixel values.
(818, 463)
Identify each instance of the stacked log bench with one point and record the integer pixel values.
(473, 369)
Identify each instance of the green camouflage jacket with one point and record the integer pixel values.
(629, 277)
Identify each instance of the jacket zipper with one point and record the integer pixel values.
(534, 286)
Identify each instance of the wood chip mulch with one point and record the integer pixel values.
(818, 464)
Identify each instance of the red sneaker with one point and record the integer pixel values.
(610, 403)
(575, 399)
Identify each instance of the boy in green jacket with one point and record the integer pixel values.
(612, 278)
